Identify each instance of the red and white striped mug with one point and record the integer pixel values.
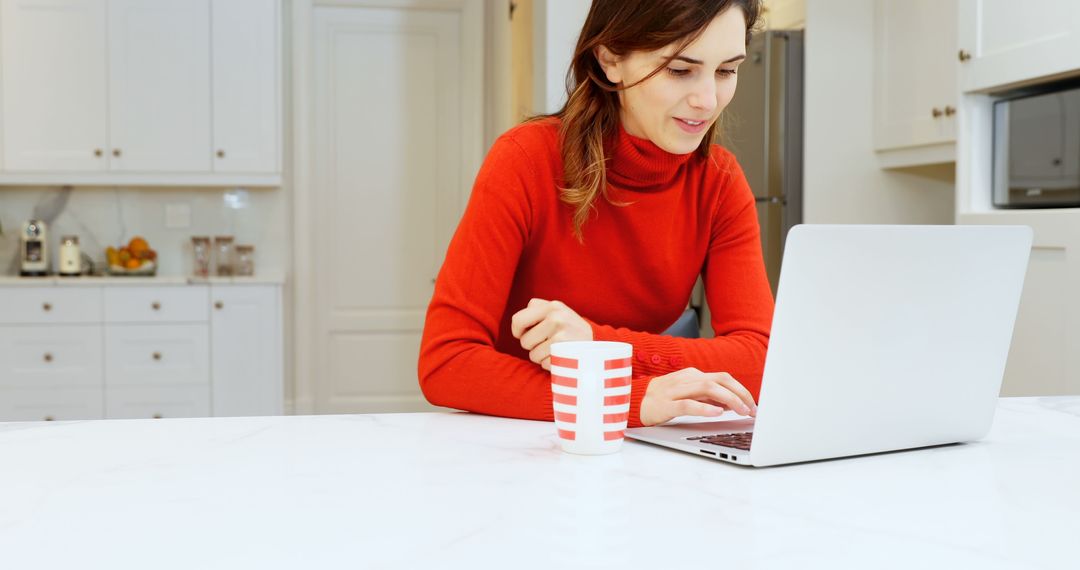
(590, 394)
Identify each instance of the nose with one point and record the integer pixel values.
(703, 96)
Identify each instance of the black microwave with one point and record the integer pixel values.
(1037, 150)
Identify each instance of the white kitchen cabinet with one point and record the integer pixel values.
(159, 85)
(1002, 43)
(119, 350)
(915, 82)
(245, 325)
(54, 87)
(141, 92)
(247, 86)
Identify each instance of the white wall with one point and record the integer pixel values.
(557, 26)
(842, 181)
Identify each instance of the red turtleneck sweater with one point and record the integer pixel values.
(631, 278)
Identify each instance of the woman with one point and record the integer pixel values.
(594, 224)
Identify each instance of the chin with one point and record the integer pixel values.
(681, 145)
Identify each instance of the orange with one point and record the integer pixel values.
(132, 263)
(137, 245)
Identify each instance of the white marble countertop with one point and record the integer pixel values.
(95, 280)
(449, 490)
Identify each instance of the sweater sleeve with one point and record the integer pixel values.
(459, 366)
(736, 289)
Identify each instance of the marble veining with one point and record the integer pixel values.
(455, 490)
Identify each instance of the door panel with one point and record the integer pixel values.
(387, 193)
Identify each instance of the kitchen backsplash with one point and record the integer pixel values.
(111, 216)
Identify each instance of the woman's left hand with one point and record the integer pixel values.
(544, 322)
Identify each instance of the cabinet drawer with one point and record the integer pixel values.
(156, 355)
(132, 402)
(51, 356)
(184, 304)
(31, 404)
(45, 305)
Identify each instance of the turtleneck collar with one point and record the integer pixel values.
(638, 164)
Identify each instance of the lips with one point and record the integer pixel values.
(691, 126)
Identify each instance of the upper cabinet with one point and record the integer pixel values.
(54, 85)
(141, 92)
(247, 86)
(159, 85)
(915, 82)
(1002, 42)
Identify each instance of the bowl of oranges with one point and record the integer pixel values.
(135, 258)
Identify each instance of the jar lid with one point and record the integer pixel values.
(72, 239)
(200, 238)
(245, 247)
(223, 238)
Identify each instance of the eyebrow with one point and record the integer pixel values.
(699, 62)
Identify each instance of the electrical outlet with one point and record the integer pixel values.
(177, 216)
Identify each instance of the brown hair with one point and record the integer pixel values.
(591, 113)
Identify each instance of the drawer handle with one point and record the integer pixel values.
(157, 356)
(155, 306)
(46, 306)
(157, 416)
(48, 357)
(49, 418)
(219, 305)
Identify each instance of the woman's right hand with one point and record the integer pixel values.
(691, 392)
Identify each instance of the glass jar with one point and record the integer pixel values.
(200, 246)
(223, 256)
(245, 260)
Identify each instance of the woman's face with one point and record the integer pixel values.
(675, 107)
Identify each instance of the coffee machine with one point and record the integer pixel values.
(34, 250)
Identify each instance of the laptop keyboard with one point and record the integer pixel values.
(736, 440)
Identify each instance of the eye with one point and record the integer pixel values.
(678, 72)
(725, 72)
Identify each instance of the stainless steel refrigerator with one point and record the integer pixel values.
(763, 127)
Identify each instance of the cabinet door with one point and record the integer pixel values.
(247, 86)
(53, 85)
(1005, 42)
(159, 85)
(246, 352)
(915, 73)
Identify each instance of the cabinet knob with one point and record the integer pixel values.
(46, 306)
(155, 306)
(949, 111)
(937, 112)
(219, 305)
(157, 416)
(157, 356)
(964, 55)
(49, 418)
(116, 152)
(98, 152)
(47, 357)
(220, 153)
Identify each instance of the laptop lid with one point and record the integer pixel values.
(898, 333)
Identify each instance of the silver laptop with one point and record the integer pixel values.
(883, 338)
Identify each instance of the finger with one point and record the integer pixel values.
(696, 408)
(524, 319)
(710, 389)
(546, 363)
(537, 334)
(541, 353)
(729, 382)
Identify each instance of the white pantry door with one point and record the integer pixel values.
(391, 136)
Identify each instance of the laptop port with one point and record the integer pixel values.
(707, 452)
(723, 456)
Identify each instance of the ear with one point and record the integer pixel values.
(609, 62)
